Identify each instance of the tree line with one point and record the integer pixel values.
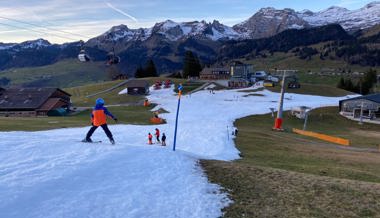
(191, 68)
(363, 86)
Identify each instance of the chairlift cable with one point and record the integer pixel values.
(48, 28)
(37, 31)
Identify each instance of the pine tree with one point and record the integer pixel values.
(191, 65)
(341, 84)
(150, 69)
(139, 72)
(349, 86)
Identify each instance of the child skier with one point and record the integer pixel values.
(150, 139)
(163, 139)
(99, 118)
(157, 135)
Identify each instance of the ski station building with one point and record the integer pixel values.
(367, 107)
(27, 102)
(217, 73)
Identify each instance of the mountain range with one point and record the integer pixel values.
(166, 42)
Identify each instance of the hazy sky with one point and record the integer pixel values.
(89, 18)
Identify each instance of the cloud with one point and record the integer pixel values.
(121, 12)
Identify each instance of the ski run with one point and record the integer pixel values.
(52, 174)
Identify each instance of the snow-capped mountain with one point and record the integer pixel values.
(166, 42)
(4, 46)
(170, 30)
(268, 22)
(176, 31)
(34, 44)
(362, 18)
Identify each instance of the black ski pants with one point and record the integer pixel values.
(104, 127)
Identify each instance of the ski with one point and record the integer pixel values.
(91, 142)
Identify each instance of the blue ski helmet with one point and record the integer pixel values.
(99, 101)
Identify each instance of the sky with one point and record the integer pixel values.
(62, 21)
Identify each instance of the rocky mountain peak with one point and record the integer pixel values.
(270, 21)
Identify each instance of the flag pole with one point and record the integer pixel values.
(176, 119)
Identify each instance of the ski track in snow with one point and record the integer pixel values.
(52, 174)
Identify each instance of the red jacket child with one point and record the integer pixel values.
(157, 134)
(150, 139)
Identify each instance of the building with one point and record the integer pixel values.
(26, 102)
(215, 74)
(237, 83)
(367, 106)
(136, 87)
(241, 70)
(120, 77)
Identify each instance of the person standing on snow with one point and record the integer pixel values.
(157, 135)
(163, 139)
(150, 138)
(99, 118)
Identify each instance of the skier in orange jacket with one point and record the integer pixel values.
(99, 118)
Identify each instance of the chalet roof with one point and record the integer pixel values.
(372, 97)
(137, 83)
(49, 104)
(26, 98)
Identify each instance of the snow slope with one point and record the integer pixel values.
(52, 174)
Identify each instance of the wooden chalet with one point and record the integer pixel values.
(25, 102)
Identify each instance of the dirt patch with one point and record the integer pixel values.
(366, 133)
(266, 192)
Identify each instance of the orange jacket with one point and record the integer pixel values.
(150, 136)
(99, 115)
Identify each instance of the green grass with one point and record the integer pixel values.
(131, 110)
(79, 94)
(314, 89)
(267, 192)
(289, 151)
(66, 73)
(282, 174)
(315, 65)
(138, 115)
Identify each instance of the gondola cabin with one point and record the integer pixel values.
(83, 57)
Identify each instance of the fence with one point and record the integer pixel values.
(336, 140)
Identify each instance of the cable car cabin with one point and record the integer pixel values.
(113, 59)
(83, 57)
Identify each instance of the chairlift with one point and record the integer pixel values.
(82, 56)
(112, 58)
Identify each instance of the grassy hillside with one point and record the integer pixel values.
(315, 71)
(282, 174)
(314, 89)
(126, 114)
(128, 108)
(66, 73)
(79, 94)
